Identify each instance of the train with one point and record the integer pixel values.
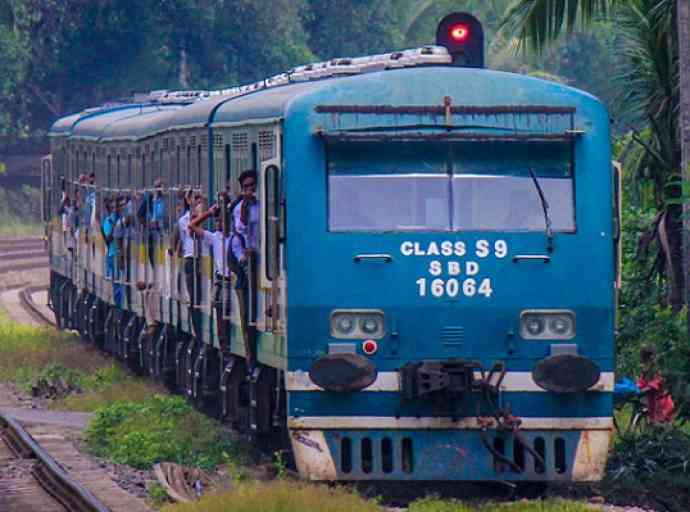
(432, 294)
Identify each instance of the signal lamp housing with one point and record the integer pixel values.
(463, 36)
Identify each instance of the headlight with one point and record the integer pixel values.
(534, 325)
(357, 324)
(547, 325)
(345, 324)
(370, 325)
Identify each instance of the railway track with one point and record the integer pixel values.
(22, 261)
(30, 479)
(21, 244)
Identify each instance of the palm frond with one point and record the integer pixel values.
(538, 22)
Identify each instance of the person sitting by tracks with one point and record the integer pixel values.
(218, 242)
(660, 406)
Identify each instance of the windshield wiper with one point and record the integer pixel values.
(545, 208)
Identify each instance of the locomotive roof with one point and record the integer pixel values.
(408, 86)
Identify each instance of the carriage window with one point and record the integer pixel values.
(511, 203)
(396, 202)
(272, 220)
(449, 187)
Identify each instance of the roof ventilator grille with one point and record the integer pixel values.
(267, 146)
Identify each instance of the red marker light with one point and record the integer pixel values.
(369, 347)
(459, 33)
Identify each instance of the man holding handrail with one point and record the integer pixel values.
(219, 243)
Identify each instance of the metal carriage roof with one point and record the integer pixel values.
(409, 86)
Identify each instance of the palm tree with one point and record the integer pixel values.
(652, 45)
(538, 22)
(683, 13)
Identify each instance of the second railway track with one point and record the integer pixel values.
(30, 479)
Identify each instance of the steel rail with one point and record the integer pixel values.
(49, 474)
(31, 253)
(25, 296)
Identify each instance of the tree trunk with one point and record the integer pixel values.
(184, 68)
(683, 15)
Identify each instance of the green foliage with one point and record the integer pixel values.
(158, 429)
(539, 22)
(656, 462)
(279, 464)
(157, 494)
(280, 496)
(58, 55)
(20, 210)
(438, 505)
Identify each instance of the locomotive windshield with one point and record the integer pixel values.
(459, 187)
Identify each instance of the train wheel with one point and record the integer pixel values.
(57, 306)
(180, 360)
(110, 334)
(81, 315)
(88, 330)
(193, 349)
(143, 343)
(74, 307)
(206, 379)
(128, 339)
(233, 376)
(95, 325)
(61, 306)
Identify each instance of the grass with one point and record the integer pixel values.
(20, 212)
(280, 496)
(286, 496)
(14, 227)
(438, 505)
(28, 353)
(158, 429)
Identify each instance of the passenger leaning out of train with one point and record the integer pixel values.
(151, 214)
(245, 229)
(108, 223)
(218, 242)
(65, 212)
(89, 204)
(184, 246)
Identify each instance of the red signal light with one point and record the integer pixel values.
(459, 32)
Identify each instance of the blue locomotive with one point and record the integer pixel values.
(432, 292)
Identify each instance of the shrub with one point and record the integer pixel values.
(652, 466)
(160, 428)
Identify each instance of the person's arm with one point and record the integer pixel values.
(176, 240)
(196, 224)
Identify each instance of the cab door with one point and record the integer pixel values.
(272, 281)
